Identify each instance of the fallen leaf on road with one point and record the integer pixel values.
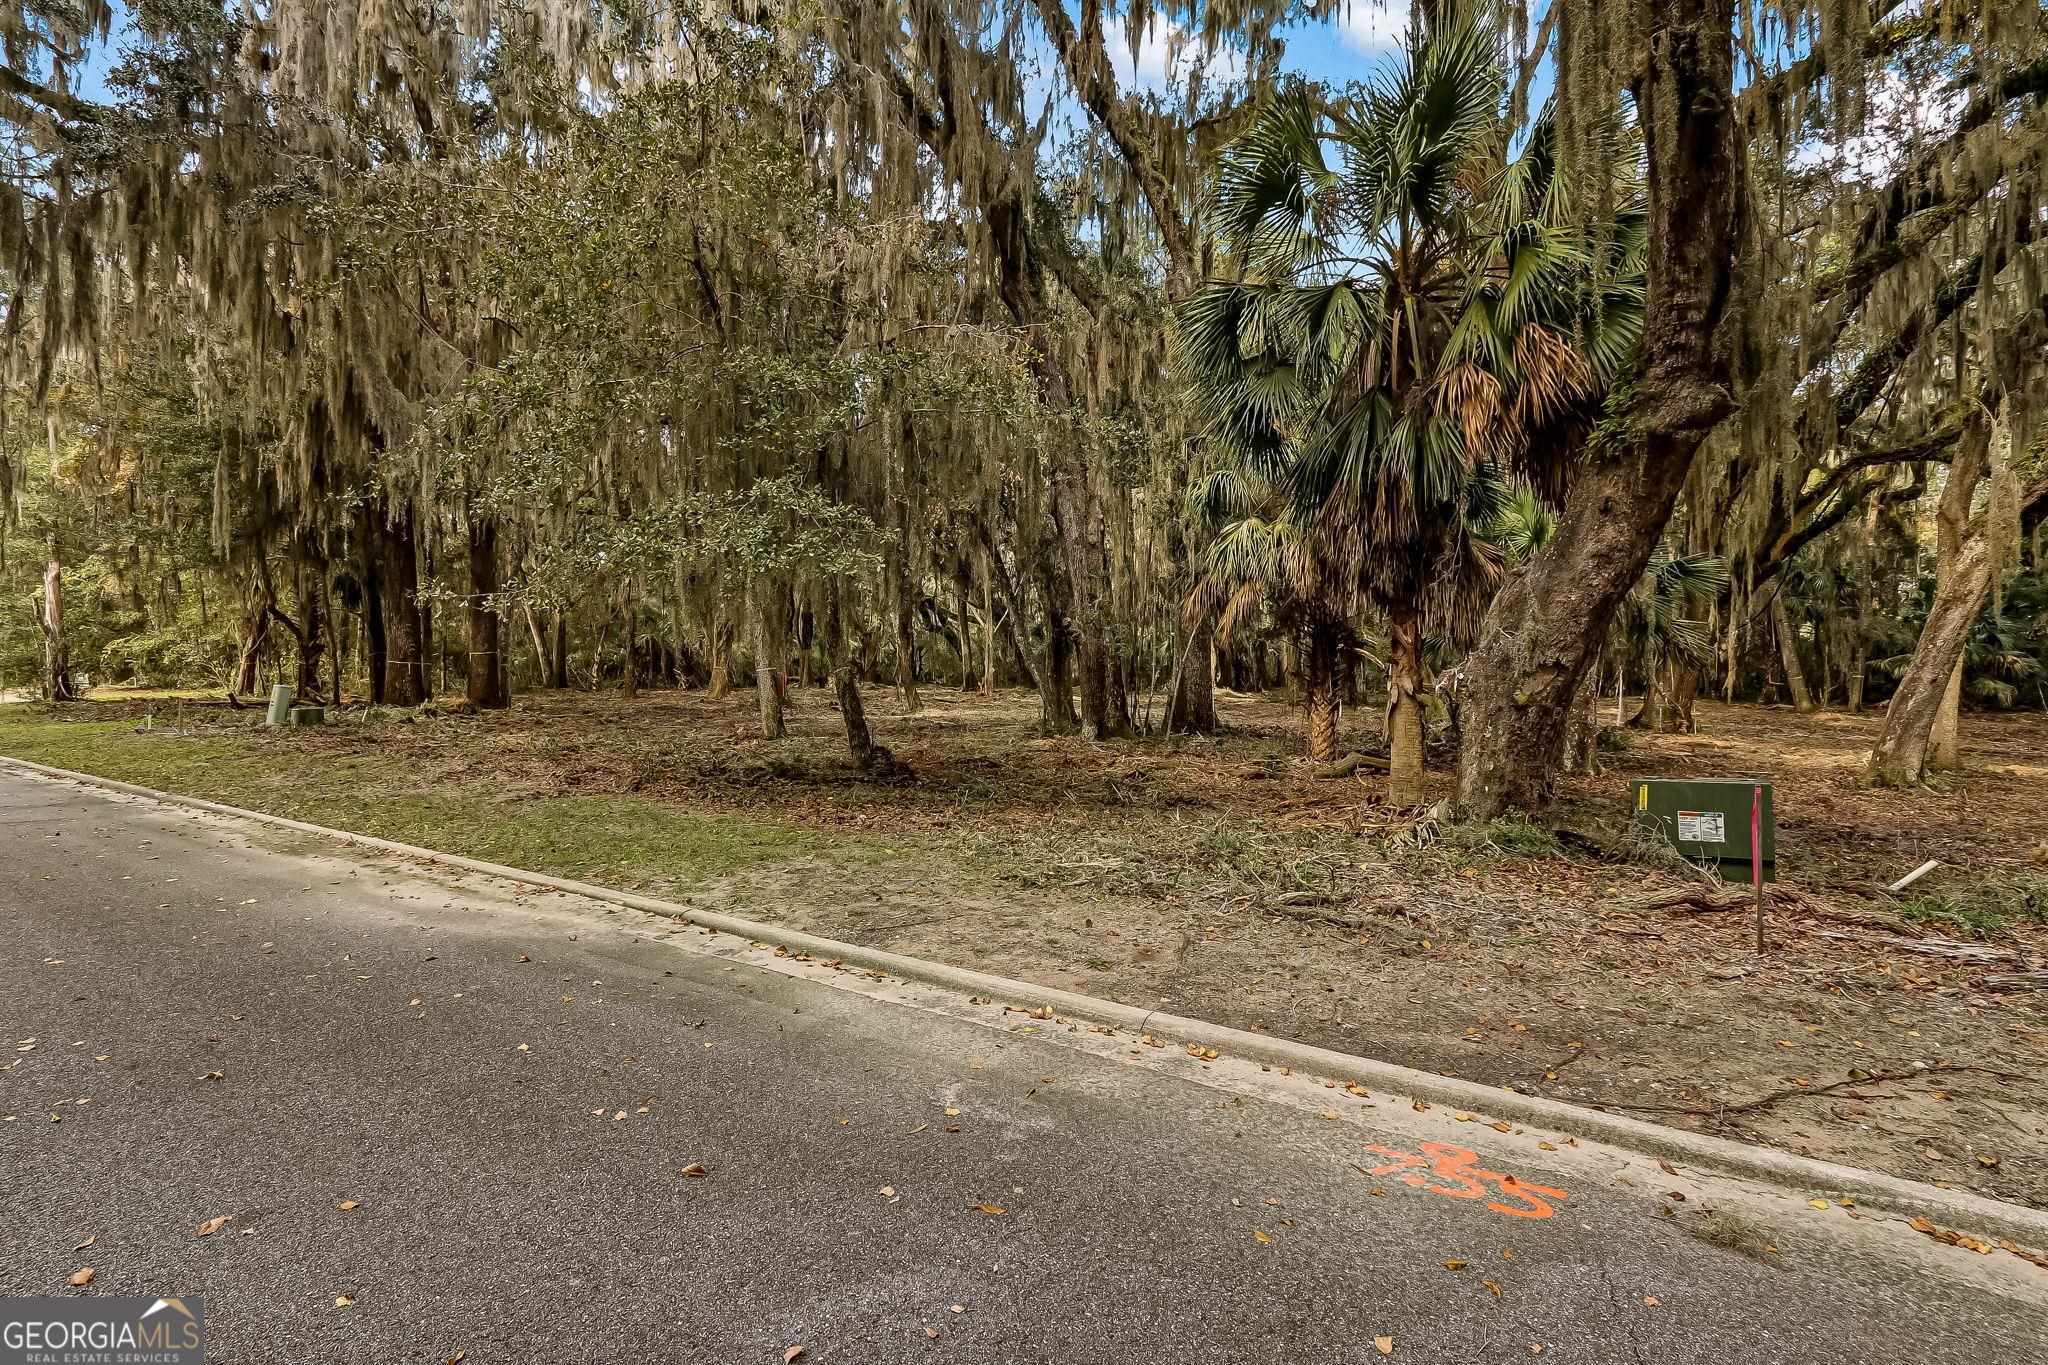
(1454, 1264)
(213, 1225)
(1547, 1146)
(616, 1117)
(1502, 1127)
(1421, 1108)
(888, 1191)
(1818, 1204)
(694, 1171)
(526, 1047)
(1954, 1239)
(957, 1308)
(344, 1300)
(524, 958)
(347, 1204)
(791, 1354)
(952, 1113)
(1652, 1301)
(1491, 1288)
(1666, 1167)
(931, 1334)
(214, 1076)
(86, 1243)
(1464, 1118)
(456, 1359)
(1385, 1345)
(991, 1208)
(1262, 1239)
(1329, 1114)
(81, 1277)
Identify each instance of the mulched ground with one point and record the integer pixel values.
(1216, 879)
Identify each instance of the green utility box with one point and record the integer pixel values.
(1708, 819)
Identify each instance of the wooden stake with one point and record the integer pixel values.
(1756, 858)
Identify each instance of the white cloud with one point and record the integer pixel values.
(1166, 56)
(1373, 25)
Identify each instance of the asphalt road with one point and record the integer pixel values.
(510, 1087)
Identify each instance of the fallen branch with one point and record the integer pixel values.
(2014, 981)
(1763, 1101)
(1936, 947)
(1349, 764)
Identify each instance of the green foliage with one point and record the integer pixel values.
(1505, 837)
(1985, 909)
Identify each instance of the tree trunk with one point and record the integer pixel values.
(1544, 630)
(1582, 729)
(988, 628)
(1320, 701)
(56, 649)
(867, 755)
(485, 685)
(1404, 709)
(770, 682)
(1013, 618)
(1055, 687)
(1962, 579)
(1788, 654)
(375, 646)
(257, 605)
(309, 575)
(963, 585)
(558, 661)
(1077, 517)
(1942, 741)
(630, 681)
(719, 646)
(1194, 701)
(405, 674)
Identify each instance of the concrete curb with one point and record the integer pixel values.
(1870, 1189)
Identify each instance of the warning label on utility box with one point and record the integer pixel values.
(1702, 827)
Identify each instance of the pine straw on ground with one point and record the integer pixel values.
(1217, 879)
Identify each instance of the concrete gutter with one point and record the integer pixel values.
(1958, 1209)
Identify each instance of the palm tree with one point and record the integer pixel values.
(1399, 310)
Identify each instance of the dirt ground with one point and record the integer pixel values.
(1216, 879)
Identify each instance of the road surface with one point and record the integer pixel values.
(473, 1111)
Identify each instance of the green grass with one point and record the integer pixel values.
(1505, 837)
(1989, 908)
(621, 841)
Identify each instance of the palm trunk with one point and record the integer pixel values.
(485, 684)
(1404, 709)
(1320, 701)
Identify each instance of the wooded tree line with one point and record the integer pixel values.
(1679, 346)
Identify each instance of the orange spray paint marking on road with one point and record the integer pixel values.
(1463, 1178)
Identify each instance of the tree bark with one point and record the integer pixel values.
(988, 628)
(1582, 729)
(1404, 709)
(770, 682)
(1788, 654)
(629, 684)
(1544, 630)
(1194, 702)
(56, 649)
(257, 605)
(405, 673)
(719, 646)
(485, 684)
(309, 577)
(1962, 579)
(1319, 694)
